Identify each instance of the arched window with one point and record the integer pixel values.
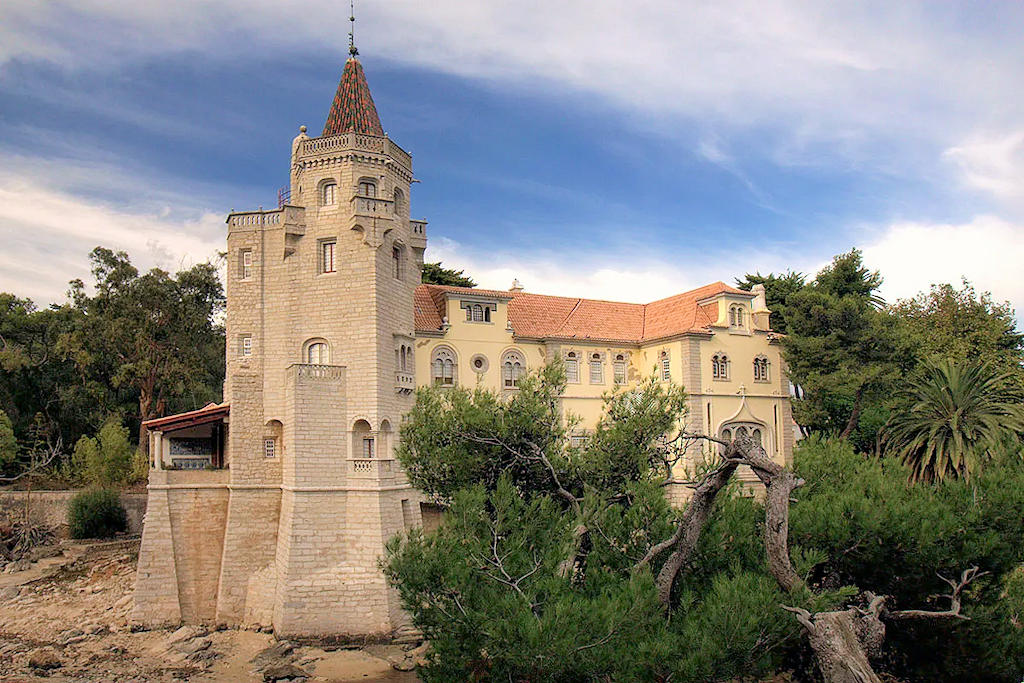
(736, 316)
(666, 368)
(399, 198)
(478, 313)
(442, 366)
(367, 188)
(719, 366)
(396, 262)
(363, 445)
(751, 430)
(761, 369)
(596, 369)
(572, 368)
(512, 367)
(329, 194)
(619, 369)
(318, 353)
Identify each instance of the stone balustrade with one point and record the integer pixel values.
(354, 142)
(405, 382)
(372, 468)
(318, 372)
(372, 206)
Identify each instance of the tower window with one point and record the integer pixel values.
(328, 249)
(245, 345)
(318, 353)
(270, 448)
(368, 449)
(330, 194)
(396, 262)
(368, 188)
(619, 369)
(245, 264)
(666, 367)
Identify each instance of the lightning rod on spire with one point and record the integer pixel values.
(352, 49)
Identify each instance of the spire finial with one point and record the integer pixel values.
(352, 49)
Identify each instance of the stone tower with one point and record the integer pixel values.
(320, 357)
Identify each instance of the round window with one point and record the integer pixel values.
(479, 363)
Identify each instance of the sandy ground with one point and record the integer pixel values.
(70, 614)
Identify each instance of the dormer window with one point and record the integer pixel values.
(737, 317)
(478, 313)
(367, 188)
(329, 194)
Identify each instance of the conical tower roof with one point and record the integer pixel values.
(353, 108)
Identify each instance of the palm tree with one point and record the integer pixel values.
(958, 413)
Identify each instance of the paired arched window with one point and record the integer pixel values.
(403, 358)
(719, 366)
(329, 193)
(572, 367)
(442, 366)
(666, 367)
(761, 369)
(737, 316)
(513, 365)
(318, 353)
(619, 369)
(367, 188)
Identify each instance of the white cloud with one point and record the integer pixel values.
(993, 163)
(988, 251)
(824, 70)
(48, 233)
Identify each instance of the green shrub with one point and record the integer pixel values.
(107, 459)
(96, 513)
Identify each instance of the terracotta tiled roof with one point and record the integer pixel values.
(211, 412)
(353, 109)
(559, 317)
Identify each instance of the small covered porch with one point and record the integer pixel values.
(196, 440)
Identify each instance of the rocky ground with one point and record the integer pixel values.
(65, 618)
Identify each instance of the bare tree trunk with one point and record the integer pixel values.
(698, 509)
(854, 420)
(838, 641)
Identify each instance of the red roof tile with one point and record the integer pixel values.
(353, 108)
(558, 317)
(211, 412)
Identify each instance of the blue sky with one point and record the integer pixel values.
(586, 148)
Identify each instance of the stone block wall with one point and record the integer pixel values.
(50, 508)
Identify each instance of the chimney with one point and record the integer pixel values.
(516, 287)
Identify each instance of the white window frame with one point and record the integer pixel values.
(245, 264)
(245, 346)
(269, 447)
(596, 369)
(619, 369)
(572, 368)
(666, 366)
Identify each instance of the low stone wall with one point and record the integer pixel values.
(51, 507)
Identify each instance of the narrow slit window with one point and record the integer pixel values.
(246, 262)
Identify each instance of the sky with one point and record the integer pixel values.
(623, 151)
